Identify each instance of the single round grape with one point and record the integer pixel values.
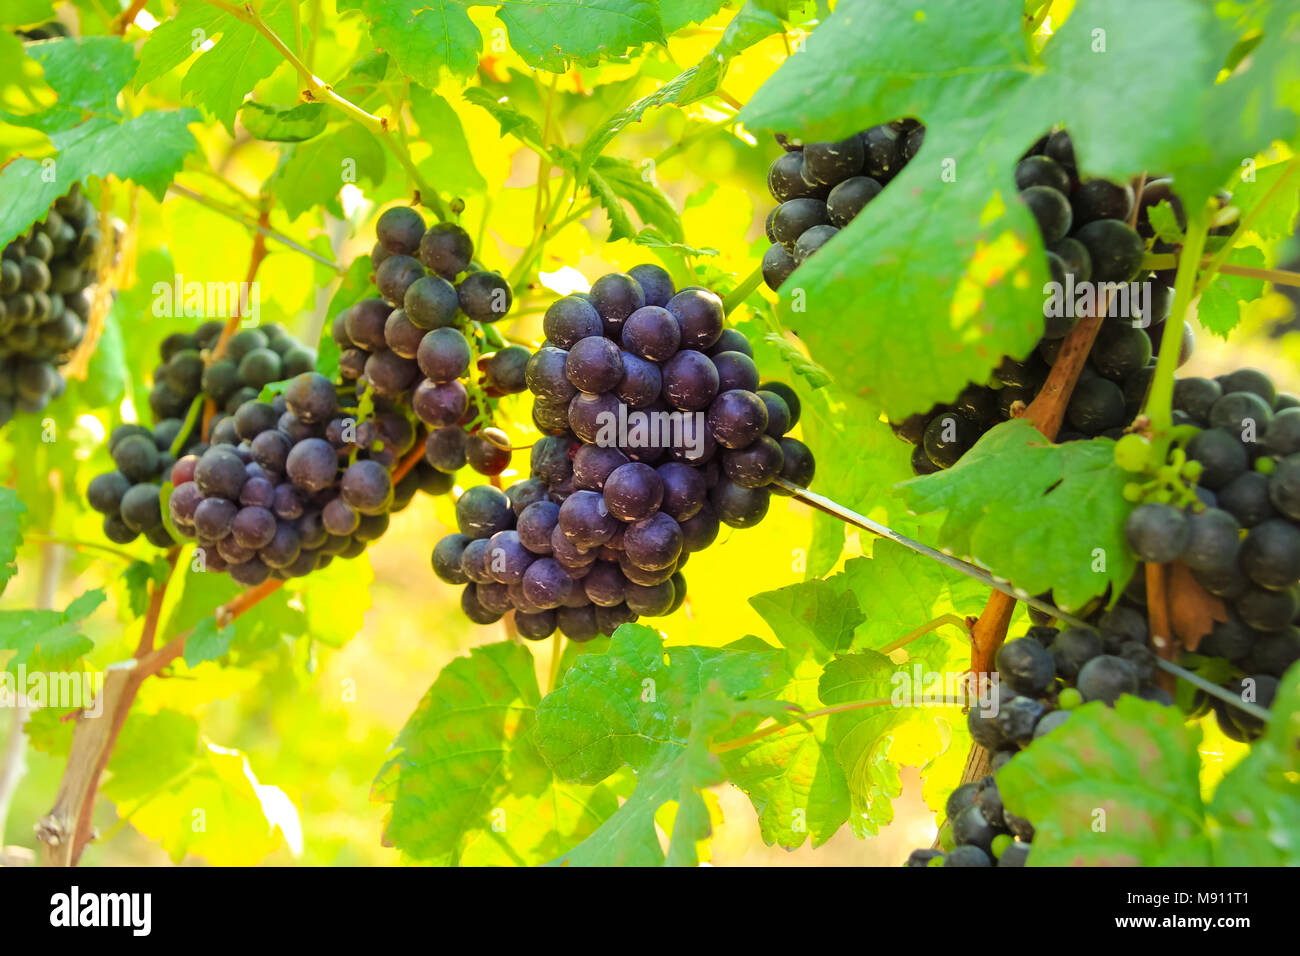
(777, 266)
(785, 179)
(737, 418)
(1106, 677)
(220, 472)
(1244, 414)
(1072, 648)
(569, 320)
(699, 314)
(1133, 453)
(367, 486)
(507, 557)
(446, 249)
(283, 548)
(546, 585)
(756, 465)
(1096, 405)
(249, 574)
(253, 527)
(1270, 554)
(1051, 210)
(104, 493)
(652, 600)
(736, 370)
(270, 450)
(690, 381)
(401, 334)
(545, 375)
(439, 404)
(444, 355)
(1157, 533)
(430, 302)
(586, 521)
(389, 374)
(474, 609)
(655, 282)
(485, 296)
(1101, 199)
(506, 369)
(737, 506)
(1026, 666)
(1221, 455)
(482, 511)
(795, 217)
(310, 397)
(136, 457)
(616, 296)
(141, 508)
(1114, 248)
(535, 626)
(652, 333)
(594, 365)
(633, 491)
(311, 465)
(1042, 171)
(256, 491)
(642, 382)
(399, 230)
(486, 457)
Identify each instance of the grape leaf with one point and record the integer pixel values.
(422, 36)
(465, 777)
(318, 168)
(207, 641)
(99, 147)
(899, 590)
(1116, 787)
(1223, 303)
(284, 124)
(1043, 516)
(630, 707)
(750, 25)
(860, 738)
(224, 72)
(967, 272)
(136, 580)
(1257, 805)
(48, 640)
(513, 123)
(816, 617)
(601, 136)
(621, 179)
(86, 74)
(1165, 223)
(452, 164)
(676, 14)
(792, 776)
(1277, 217)
(11, 536)
(152, 750)
(551, 33)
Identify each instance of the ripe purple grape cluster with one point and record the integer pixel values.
(1083, 225)
(1042, 677)
(418, 340)
(46, 278)
(656, 431)
(821, 188)
(1241, 535)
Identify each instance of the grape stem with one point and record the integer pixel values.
(955, 620)
(803, 716)
(1160, 399)
(1169, 260)
(66, 828)
(741, 292)
(1219, 260)
(318, 91)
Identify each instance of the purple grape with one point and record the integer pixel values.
(655, 282)
(545, 584)
(735, 370)
(438, 405)
(507, 558)
(699, 316)
(684, 490)
(253, 527)
(594, 365)
(593, 464)
(690, 381)
(585, 520)
(569, 320)
(536, 523)
(633, 491)
(616, 296)
(736, 418)
(652, 333)
(443, 355)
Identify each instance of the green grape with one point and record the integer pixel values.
(1265, 465)
(1192, 470)
(1133, 453)
(1168, 473)
(1133, 492)
(937, 861)
(946, 841)
(1001, 842)
(1163, 496)
(1069, 699)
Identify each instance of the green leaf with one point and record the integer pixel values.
(750, 25)
(284, 124)
(48, 640)
(11, 536)
(861, 737)
(630, 707)
(87, 75)
(551, 33)
(317, 169)
(1277, 217)
(422, 37)
(208, 642)
(452, 164)
(1062, 530)
(1256, 807)
(151, 752)
(602, 135)
(676, 14)
(136, 580)
(969, 278)
(621, 179)
(1165, 223)
(513, 123)
(653, 239)
(354, 287)
(1112, 787)
(1224, 302)
(465, 779)
(222, 75)
(98, 147)
(815, 617)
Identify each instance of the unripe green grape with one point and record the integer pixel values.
(1001, 842)
(1069, 699)
(1265, 465)
(1163, 496)
(1133, 453)
(946, 841)
(1192, 470)
(1133, 492)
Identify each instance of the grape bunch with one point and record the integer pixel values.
(45, 297)
(423, 339)
(1083, 225)
(1042, 677)
(1238, 528)
(656, 431)
(821, 187)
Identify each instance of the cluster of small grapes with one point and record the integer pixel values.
(420, 339)
(1238, 529)
(821, 187)
(1083, 224)
(656, 431)
(45, 298)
